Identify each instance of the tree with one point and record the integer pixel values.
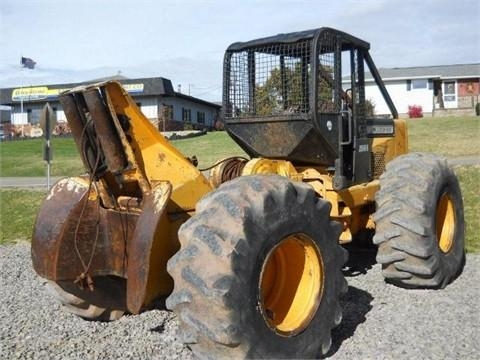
(280, 94)
(287, 93)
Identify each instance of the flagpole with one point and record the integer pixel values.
(45, 118)
(21, 97)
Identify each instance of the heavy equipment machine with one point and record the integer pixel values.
(250, 259)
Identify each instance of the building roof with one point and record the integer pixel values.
(457, 71)
(197, 100)
(157, 86)
(118, 77)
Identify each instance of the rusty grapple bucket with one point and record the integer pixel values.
(120, 221)
(76, 239)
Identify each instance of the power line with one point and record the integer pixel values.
(209, 91)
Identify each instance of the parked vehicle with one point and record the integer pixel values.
(249, 259)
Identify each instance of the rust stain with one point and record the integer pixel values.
(140, 246)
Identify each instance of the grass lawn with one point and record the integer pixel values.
(452, 137)
(18, 209)
(469, 177)
(209, 148)
(449, 136)
(25, 158)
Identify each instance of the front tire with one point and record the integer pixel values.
(419, 222)
(259, 272)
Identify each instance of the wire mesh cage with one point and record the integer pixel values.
(327, 102)
(301, 97)
(271, 80)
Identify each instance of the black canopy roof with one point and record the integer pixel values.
(296, 37)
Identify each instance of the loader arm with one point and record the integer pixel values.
(122, 219)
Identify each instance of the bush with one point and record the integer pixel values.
(369, 107)
(415, 111)
(477, 109)
(219, 125)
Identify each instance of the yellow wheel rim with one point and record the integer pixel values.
(291, 284)
(445, 220)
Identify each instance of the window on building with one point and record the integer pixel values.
(34, 115)
(200, 117)
(55, 114)
(186, 115)
(417, 84)
(449, 91)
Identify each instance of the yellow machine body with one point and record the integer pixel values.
(352, 206)
(123, 219)
(120, 223)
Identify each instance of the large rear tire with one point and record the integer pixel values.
(419, 222)
(258, 274)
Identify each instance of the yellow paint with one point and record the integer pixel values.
(348, 205)
(152, 160)
(156, 158)
(445, 223)
(44, 92)
(268, 166)
(30, 93)
(291, 284)
(358, 195)
(163, 247)
(394, 146)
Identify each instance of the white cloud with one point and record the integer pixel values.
(185, 40)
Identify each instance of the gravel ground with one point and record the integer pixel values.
(380, 321)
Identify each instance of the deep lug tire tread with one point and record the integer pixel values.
(405, 222)
(212, 271)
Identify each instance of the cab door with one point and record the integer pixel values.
(340, 108)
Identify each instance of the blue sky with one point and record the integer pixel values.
(81, 40)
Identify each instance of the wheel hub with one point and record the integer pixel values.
(445, 223)
(291, 284)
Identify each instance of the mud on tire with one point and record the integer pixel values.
(419, 222)
(245, 236)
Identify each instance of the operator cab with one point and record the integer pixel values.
(283, 99)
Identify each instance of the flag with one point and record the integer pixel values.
(27, 62)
